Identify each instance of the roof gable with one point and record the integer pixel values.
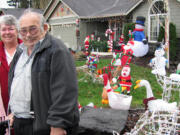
(101, 8)
(95, 8)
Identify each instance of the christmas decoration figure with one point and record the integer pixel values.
(114, 99)
(159, 62)
(92, 37)
(125, 57)
(111, 38)
(121, 40)
(92, 61)
(116, 61)
(131, 36)
(127, 53)
(125, 79)
(116, 87)
(151, 102)
(86, 45)
(106, 88)
(140, 47)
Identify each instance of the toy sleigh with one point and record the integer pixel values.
(4, 124)
(119, 101)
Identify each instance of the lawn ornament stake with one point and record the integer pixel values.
(140, 47)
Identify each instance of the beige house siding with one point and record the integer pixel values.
(63, 24)
(65, 29)
(142, 10)
(174, 15)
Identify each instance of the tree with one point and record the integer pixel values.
(13, 3)
(41, 4)
(20, 3)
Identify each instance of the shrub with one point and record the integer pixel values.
(100, 45)
(127, 27)
(172, 39)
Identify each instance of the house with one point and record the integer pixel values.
(73, 20)
(17, 12)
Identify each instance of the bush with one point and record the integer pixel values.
(161, 36)
(172, 40)
(127, 27)
(100, 45)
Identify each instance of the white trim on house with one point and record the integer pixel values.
(149, 20)
(57, 2)
(63, 23)
(133, 7)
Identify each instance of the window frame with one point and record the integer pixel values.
(157, 21)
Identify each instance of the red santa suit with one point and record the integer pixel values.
(125, 79)
(126, 54)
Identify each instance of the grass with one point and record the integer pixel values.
(91, 92)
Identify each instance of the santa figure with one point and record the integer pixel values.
(125, 79)
(140, 47)
(121, 40)
(127, 53)
(125, 56)
(86, 45)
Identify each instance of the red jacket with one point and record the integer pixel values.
(4, 69)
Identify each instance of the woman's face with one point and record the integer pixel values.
(8, 33)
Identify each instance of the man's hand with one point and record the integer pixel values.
(58, 131)
(10, 117)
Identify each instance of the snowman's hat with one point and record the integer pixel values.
(140, 20)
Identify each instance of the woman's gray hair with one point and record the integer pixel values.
(40, 16)
(8, 20)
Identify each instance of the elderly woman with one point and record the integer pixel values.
(8, 43)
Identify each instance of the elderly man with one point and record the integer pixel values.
(42, 82)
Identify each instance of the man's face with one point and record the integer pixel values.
(30, 29)
(8, 33)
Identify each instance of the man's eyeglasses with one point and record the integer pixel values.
(32, 30)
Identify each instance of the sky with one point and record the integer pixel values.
(3, 4)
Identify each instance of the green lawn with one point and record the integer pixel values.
(91, 92)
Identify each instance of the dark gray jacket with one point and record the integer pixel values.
(54, 86)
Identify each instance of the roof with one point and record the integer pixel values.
(101, 8)
(17, 12)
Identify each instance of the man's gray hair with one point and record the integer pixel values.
(8, 20)
(40, 16)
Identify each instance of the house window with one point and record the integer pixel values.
(157, 17)
(116, 27)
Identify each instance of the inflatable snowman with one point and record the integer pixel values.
(140, 47)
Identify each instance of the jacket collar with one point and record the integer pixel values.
(45, 43)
